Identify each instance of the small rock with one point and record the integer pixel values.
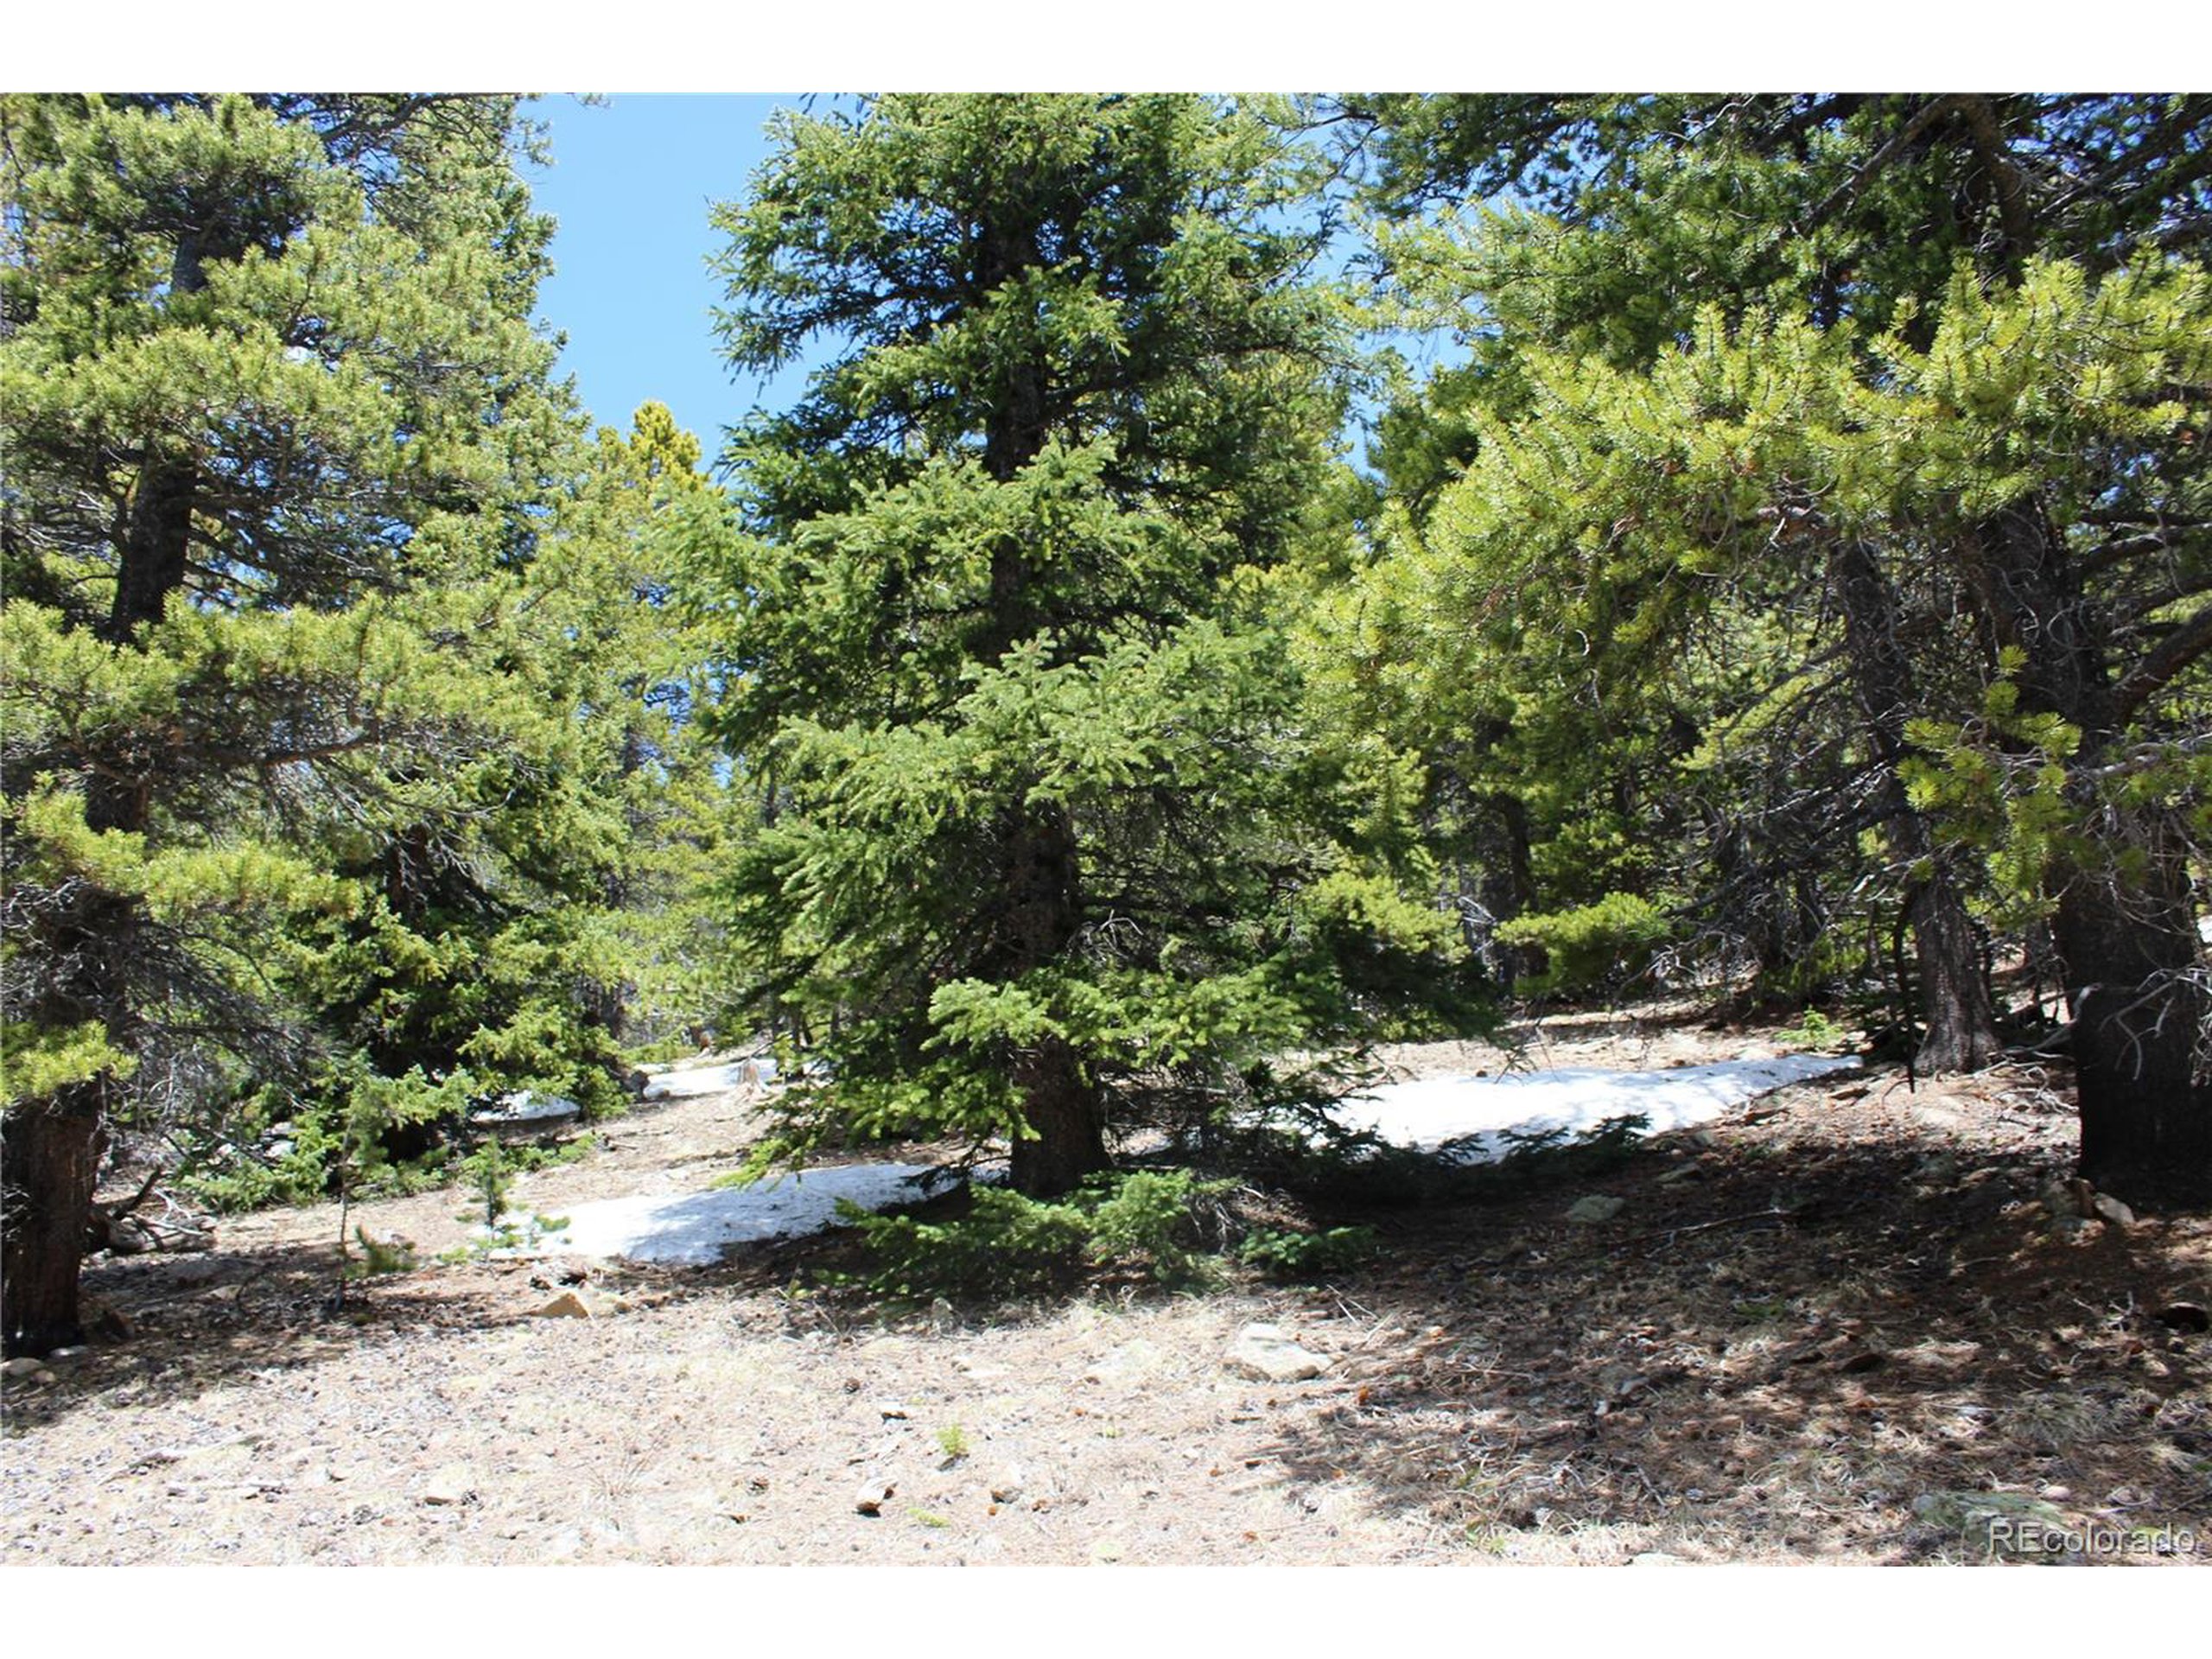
(2107, 1208)
(1936, 1116)
(870, 1498)
(891, 1411)
(1620, 1382)
(2058, 1197)
(567, 1305)
(453, 1483)
(1686, 1173)
(26, 1366)
(1597, 1207)
(1263, 1353)
(1006, 1488)
(2071, 1230)
(2185, 1316)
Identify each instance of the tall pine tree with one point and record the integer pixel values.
(279, 441)
(1040, 825)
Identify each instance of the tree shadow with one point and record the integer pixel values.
(1789, 1344)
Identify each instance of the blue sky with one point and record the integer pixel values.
(632, 182)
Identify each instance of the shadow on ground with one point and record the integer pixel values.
(1795, 1339)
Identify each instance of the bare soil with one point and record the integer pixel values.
(1855, 1294)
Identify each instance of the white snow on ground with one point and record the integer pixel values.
(527, 1107)
(691, 1230)
(708, 1079)
(1430, 1111)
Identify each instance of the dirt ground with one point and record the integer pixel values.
(1849, 1324)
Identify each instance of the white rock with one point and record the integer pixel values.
(1263, 1353)
(455, 1482)
(2111, 1210)
(1598, 1206)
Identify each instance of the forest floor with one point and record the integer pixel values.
(1857, 1321)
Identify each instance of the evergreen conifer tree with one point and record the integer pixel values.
(1040, 822)
(295, 768)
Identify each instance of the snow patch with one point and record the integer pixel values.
(692, 1230)
(527, 1106)
(709, 1079)
(1429, 1112)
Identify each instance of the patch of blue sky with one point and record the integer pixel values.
(631, 183)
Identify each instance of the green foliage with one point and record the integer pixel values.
(1007, 1245)
(1308, 1256)
(336, 719)
(383, 1255)
(487, 1172)
(1043, 819)
(1155, 1217)
(1592, 947)
(1814, 531)
(1814, 1030)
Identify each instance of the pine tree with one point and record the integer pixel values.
(278, 438)
(1040, 827)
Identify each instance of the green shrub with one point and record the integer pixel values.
(1152, 1219)
(1007, 1245)
(241, 1176)
(488, 1171)
(1592, 947)
(1308, 1256)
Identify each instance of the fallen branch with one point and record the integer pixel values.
(1673, 1233)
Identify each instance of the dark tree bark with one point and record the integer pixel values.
(1508, 887)
(53, 1162)
(2139, 1010)
(1039, 864)
(2126, 927)
(1068, 1114)
(1958, 1024)
(1041, 868)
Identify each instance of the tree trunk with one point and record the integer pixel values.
(1069, 1117)
(1041, 871)
(1958, 1024)
(2127, 924)
(1040, 865)
(53, 1152)
(1508, 887)
(1960, 1031)
(2132, 977)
